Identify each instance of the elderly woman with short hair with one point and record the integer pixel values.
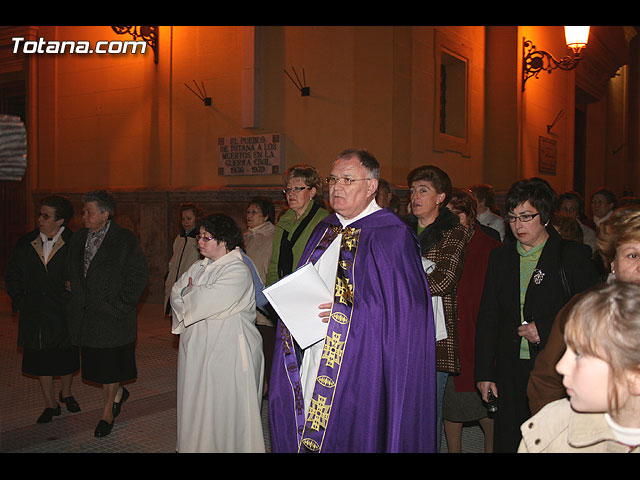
(108, 274)
(35, 276)
(528, 281)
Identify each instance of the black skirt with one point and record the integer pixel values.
(109, 365)
(50, 362)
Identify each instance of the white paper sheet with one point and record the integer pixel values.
(295, 298)
(438, 306)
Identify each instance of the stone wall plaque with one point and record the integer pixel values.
(547, 155)
(251, 155)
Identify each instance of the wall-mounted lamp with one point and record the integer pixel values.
(147, 33)
(534, 61)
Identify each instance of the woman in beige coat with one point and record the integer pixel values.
(185, 249)
(258, 243)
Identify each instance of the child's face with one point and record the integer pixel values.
(586, 379)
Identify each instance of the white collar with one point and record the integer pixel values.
(371, 208)
(54, 238)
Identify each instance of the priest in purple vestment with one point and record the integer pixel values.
(369, 386)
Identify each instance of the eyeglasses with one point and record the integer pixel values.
(294, 189)
(254, 212)
(204, 238)
(525, 217)
(344, 180)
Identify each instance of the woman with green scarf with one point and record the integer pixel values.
(303, 192)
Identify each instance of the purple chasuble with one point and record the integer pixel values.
(375, 389)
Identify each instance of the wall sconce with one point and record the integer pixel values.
(534, 61)
(147, 33)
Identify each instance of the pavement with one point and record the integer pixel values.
(147, 422)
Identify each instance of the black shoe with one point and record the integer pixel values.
(103, 429)
(48, 414)
(70, 402)
(118, 405)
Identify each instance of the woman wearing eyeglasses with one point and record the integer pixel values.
(523, 292)
(303, 192)
(220, 358)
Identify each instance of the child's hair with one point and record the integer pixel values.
(605, 323)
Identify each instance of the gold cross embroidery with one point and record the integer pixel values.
(318, 413)
(344, 291)
(333, 350)
(350, 238)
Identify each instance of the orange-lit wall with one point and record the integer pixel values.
(542, 101)
(125, 122)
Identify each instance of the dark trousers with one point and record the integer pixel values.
(513, 407)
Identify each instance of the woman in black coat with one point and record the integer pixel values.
(108, 274)
(35, 278)
(523, 292)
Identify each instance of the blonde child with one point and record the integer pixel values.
(601, 372)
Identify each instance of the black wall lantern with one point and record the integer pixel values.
(534, 61)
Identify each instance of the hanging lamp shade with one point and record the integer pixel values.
(576, 37)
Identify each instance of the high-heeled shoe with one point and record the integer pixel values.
(48, 414)
(118, 405)
(70, 402)
(103, 428)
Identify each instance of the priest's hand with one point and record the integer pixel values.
(326, 311)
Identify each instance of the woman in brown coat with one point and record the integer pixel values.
(442, 241)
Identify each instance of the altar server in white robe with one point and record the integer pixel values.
(220, 357)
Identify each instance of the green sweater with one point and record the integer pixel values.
(287, 225)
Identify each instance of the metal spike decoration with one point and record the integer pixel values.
(301, 85)
(201, 94)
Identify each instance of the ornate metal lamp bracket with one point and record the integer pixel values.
(148, 33)
(534, 61)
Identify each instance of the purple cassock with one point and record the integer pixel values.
(375, 389)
